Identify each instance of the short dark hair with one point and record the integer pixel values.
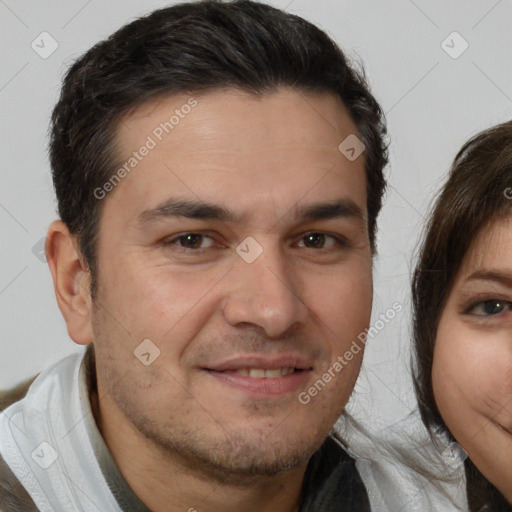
(478, 192)
(195, 47)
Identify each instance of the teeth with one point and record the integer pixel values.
(272, 374)
(260, 373)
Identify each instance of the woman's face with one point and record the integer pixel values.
(472, 369)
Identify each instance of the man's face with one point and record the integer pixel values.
(243, 326)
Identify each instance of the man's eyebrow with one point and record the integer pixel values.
(195, 209)
(340, 208)
(495, 276)
(191, 209)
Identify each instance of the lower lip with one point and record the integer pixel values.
(264, 386)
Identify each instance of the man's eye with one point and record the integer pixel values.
(318, 240)
(195, 242)
(192, 241)
(491, 307)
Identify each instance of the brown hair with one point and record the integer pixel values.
(478, 191)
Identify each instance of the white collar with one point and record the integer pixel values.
(45, 441)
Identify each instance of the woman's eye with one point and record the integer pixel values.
(491, 307)
(318, 240)
(191, 241)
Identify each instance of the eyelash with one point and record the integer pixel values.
(340, 242)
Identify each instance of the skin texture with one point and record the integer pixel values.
(472, 370)
(180, 435)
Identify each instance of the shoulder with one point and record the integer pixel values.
(10, 396)
(13, 496)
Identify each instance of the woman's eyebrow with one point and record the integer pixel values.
(496, 276)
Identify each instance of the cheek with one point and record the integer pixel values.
(346, 310)
(453, 379)
(508, 379)
(498, 403)
(152, 301)
(352, 310)
(170, 296)
(472, 379)
(344, 296)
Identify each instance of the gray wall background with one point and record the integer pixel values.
(434, 101)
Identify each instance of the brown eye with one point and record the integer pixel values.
(191, 241)
(318, 240)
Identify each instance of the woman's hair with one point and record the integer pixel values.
(477, 193)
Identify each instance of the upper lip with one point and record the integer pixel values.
(263, 362)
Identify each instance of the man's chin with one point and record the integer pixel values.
(238, 459)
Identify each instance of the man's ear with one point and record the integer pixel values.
(71, 281)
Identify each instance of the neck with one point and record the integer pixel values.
(167, 482)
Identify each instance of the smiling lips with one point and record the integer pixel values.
(260, 373)
(263, 375)
(259, 366)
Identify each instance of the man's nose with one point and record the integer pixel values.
(266, 293)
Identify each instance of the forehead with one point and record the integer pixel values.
(239, 147)
(218, 116)
(492, 248)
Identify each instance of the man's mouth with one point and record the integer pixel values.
(261, 373)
